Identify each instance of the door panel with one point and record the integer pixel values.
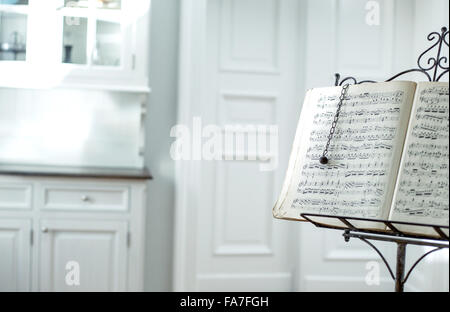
(15, 248)
(83, 256)
(15, 196)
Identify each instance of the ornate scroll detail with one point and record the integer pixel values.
(433, 67)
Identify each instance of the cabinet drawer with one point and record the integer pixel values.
(15, 196)
(108, 198)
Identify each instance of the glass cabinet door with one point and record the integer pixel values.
(92, 32)
(13, 30)
(108, 48)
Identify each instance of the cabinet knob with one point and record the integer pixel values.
(85, 198)
(44, 230)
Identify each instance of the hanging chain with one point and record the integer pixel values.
(324, 159)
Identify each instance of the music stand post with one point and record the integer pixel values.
(433, 68)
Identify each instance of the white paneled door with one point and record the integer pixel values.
(249, 63)
(249, 79)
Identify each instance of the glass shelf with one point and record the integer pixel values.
(98, 4)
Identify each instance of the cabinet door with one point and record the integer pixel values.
(13, 30)
(97, 42)
(83, 255)
(14, 40)
(15, 246)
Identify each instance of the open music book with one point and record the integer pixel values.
(388, 159)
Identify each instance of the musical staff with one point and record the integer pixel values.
(355, 182)
(423, 188)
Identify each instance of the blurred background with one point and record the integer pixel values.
(89, 93)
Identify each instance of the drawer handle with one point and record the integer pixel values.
(85, 198)
(44, 230)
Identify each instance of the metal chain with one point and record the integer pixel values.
(324, 159)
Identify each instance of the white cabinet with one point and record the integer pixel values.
(83, 255)
(75, 43)
(71, 234)
(15, 252)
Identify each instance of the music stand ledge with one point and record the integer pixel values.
(402, 239)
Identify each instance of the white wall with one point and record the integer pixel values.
(70, 127)
(162, 112)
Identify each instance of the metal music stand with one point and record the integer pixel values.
(434, 68)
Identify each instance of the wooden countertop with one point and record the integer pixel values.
(75, 172)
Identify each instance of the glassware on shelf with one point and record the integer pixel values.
(109, 4)
(75, 33)
(14, 2)
(13, 36)
(92, 32)
(76, 3)
(99, 4)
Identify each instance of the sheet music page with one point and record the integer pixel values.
(364, 154)
(422, 189)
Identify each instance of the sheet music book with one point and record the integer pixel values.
(388, 159)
